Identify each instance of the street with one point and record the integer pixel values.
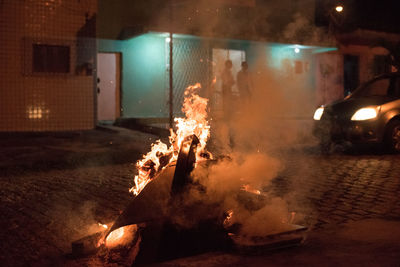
(349, 202)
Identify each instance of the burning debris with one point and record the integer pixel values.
(175, 211)
(195, 123)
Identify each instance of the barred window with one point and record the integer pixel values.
(51, 58)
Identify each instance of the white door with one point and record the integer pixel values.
(108, 86)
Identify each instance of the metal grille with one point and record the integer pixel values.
(191, 65)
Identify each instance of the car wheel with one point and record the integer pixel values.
(392, 136)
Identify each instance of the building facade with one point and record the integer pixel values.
(66, 65)
(47, 59)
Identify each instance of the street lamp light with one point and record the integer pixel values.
(339, 8)
(336, 16)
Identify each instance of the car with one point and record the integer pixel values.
(370, 114)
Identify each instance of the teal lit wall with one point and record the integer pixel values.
(145, 77)
(144, 90)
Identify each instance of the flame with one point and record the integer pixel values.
(195, 109)
(195, 122)
(228, 219)
(248, 188)
(149, 165)
(103, 225)
(115, 236)
(119, 237)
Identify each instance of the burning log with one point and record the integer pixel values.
(156, 195)
(185, 164)
(162, 201)
(150, 204)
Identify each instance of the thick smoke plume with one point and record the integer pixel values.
(250, 148)
(251, 144)
(234, 183)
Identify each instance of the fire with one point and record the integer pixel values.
(228, 219)
(115, 236)
(149, 165)
(248, 188)
(195, 109)
(103, 225)
(195, 122)
(119, 237)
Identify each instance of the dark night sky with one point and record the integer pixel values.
(381, 15)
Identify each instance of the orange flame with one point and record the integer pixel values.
(115, 236)
(228, 219)
(248, 188)
(103, 225)
(195, 122)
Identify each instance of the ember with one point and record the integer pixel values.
(121, 236)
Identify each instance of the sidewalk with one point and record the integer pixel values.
(24, 152)
(54, 187)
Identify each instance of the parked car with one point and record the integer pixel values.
(370, 114)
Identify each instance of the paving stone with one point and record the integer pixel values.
(332, 189)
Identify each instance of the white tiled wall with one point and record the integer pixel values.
(43, 101)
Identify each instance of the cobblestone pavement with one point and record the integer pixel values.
(340, 188)
(44, 209)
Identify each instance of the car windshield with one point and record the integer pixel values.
(386, 86)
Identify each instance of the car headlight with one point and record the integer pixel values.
(318, 113)
(366, 113)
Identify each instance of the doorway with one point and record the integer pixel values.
(350, 73)
(219, 56)
(108, 87)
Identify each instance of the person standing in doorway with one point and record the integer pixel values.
(227, 83)
(244, 83)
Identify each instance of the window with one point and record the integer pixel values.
(51, 58)
(378, 87)
(351, 68)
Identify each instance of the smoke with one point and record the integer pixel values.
(302, 30)
(269, 219)
(227, 181)
(77, 222)
(269, 122)
(282, 21)
(250, 147)
(230, 174)
(251, 144)
(237, 183)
